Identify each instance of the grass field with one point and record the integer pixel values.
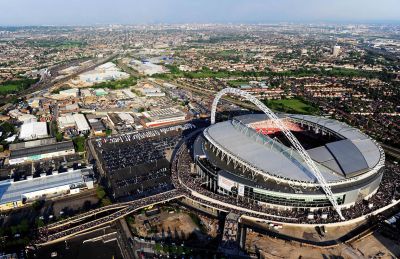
(237, 83)
(13, 86)
(117, 84)
(8, 88)
(294, 105)
(63, 44)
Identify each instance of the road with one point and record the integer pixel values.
(124, 235)
(206, 92)
(45, 85)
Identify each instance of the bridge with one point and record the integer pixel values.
(125, 209)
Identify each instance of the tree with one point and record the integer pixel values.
(37, 205)
(100, 192)
(79, 143)
(59, 136)
(105, 201)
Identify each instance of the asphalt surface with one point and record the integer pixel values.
(99, 244)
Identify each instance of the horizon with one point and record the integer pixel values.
(125, 12)
(317, 23)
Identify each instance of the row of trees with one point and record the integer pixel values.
(302, 72)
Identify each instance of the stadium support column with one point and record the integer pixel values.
(242, 236)
(215, 186)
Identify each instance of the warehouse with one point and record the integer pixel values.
(33, 130)
(162, 117)
(77, 121)
(16, 193)
(34, 153)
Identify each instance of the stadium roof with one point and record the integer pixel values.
(362, 142)
(348, 156)
(337, 160)
(234, 173)
(262, 156)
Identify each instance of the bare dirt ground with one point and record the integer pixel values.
(377, 246)
(179, 225)
(174, 224)
(310, 233)
(74, 202)
(373, 246)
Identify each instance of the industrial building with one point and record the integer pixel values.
(77, 121)
(162, 117)
(152, 92)
(123, 121)
(39, 150)
(96, 124)
(16, 193)
(146, 67)
(73, 92)
(33, 143)
(102, 73)
(33, 130)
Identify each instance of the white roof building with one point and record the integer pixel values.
(81, 123)
(105, 72)
(161, 117)
(33, 130)
(126, 117)
(76, 120)
(73, 92)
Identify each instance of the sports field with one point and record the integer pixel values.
(294, 105)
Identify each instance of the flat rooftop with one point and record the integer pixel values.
(44, 149)
(13, 191)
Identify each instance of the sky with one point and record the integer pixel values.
(97, 12)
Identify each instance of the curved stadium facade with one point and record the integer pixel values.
(248, 157)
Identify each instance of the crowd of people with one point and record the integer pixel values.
(188, 184)
(45, 236)
(387, 193)
(82, 216)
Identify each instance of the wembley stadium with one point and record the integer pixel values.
(257, 158)
(248, 156)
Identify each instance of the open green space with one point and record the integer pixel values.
(62, 88)
(237, 83)
(117, 84)
(228, 52)
(334, 72)
(295, 105)
(14, 86)
(62, 44)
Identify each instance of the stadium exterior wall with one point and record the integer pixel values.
(348, 197)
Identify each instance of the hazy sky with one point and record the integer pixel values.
(89, 12)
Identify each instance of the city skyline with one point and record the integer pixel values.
(199, 129)
(45, 12)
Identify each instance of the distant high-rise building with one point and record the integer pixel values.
(336, 51)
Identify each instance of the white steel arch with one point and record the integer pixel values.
(289, 135)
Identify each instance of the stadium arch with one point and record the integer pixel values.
(288, 134)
